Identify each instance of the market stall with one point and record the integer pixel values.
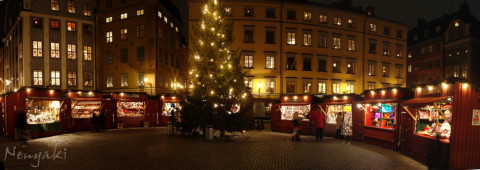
(170, 104)
(282, 115)
(84, 105)
(380, 114)
(333, 106)
(130, 109)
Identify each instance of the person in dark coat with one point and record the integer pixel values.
(21, 127)
(101, 119)
(94, 122)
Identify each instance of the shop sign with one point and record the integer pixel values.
(86, 95)
(476, 117)
(132, 95)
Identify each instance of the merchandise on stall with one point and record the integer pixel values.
(288, 111)
(169, 107)
(381, 115)
(130, 109)
(85, 109)
(432, 121)
(43, 111)
(347, 121)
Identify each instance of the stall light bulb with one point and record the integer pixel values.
(305, 97)
(430, 88)
(345, 97)
(372, 92)
(28, 90)
(394, 90)
(465, 85)
(419, 89)
(359, 106)
(334, 97)
(295, 97)
(285, 98)
(51, 91)
(445, 85)
(383, 92)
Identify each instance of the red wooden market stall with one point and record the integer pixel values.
(331, 106)
(282, 114)
(130, 109)
(84, 105)
(379, 111)
(451, 115)
(46, 111)
(169, 103)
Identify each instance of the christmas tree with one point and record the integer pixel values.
(216, 93)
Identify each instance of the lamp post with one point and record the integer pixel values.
(151, 88)
(259, 87)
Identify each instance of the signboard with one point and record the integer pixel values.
(476, 117)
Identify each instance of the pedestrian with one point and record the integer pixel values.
(101, 119)
(339, 125)
(297, 126)
(319, 119)
(93, 122)
(22, 133)
(178, 120)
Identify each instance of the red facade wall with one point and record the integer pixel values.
(2, 116)
(153, 113)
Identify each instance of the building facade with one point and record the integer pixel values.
(139, 46)
(297, 47)
(443, 49)
(49, 44)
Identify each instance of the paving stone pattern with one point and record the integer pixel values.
(151, 148)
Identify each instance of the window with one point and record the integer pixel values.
(386, 69)
(386, 30)
(71, 26)
(337, 41)
(141, 53)
(71, 6)
(292, 15)
(350, 66)
(371, 86)
(165, 19)
(322, 39)
(270, 37)
(72, 78)
(87, 29)
(351, 43)
(124, 16)
(399, 33)
(322, 87)
(307, 38)
(55, 50)
(88, 77)
(139, 12)
(398, 71)
(291, 86)
(37, 77)
(109, 57)
(140, 79)
(109, 36)
(386, 49)
(307, 63)
(37, 49)
(350, 87)
(351, 23)
(108, 19)
(140, 31)
(307, 86)
(248, 12)
(248, 61)
(124, 55)
(430, 48)
(87, 9)
(337, 21)
(372, 47)
(291, 63)
(270, 13)
(307, 16)
(37, 22)
(171, 24)
(249, 83)
(124, 80)
(322, 18)
(54, 5)
(399, 51)
(55, 78)
(123, 34)
(71, 51)
(291, 37)
(371, 68)
(270, 85)
(464, 71)
(270, 61)
(227, 11)
(109, 3)
(336, 87)
(109, 81)
(336, 65)
(248, 35)
(322, 65)
(54, 24)
(373, 27)
(87, 53)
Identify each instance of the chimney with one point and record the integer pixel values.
(420, 22)
(370, 10)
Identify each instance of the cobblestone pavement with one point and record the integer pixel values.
(151, 148)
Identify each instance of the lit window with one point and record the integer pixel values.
(165, 19)
(351, 44)
(55, 78)
(386, 70)
(270, 63)
(248, 61)
(373, 27)
(140, 79)
(55, 50)
(371, 68)
(307, 87)
(109, 81)
(351, 23)
(37, 77)
(88, 77)
(87, 9)
(37, 49)
(337, 42)
(109, 36)
(37, 22)
(322, 87)
(248, 12)
(108, 19)
(87, 53)
(171, 24)
(350, 87)
(124, 16)
(139, 12)
(399, 51)
(249, 83)
(227, 11)
(386, 48)
(270, 85)
(337, 21)
(307, 39)
(54, 24)
(322, 19)
(71, 6)
(71, 26)
(72, 78)
(291, 38)
(54, 5)
(176, 29)
(123, 34)
(335, 87)
(307, 16)
(159, 14)
(124, 80)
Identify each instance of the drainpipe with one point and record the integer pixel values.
(281, 47)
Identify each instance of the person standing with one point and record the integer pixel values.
(339, 125)
(101, 119)
(94, 122)
(296, 127)
(21, 127)
(319, 119)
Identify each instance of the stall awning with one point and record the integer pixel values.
(293, 104)
(375, 101)
(335, 103)
(423, 101)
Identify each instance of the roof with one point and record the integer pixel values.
(423, 101)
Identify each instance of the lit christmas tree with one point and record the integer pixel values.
(216, 93)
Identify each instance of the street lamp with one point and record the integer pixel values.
(259, 87)
(146, 82)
